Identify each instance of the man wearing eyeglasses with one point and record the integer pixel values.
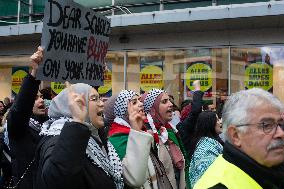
(253, 154)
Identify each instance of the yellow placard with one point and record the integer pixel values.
(107, 83)
(199, 71)
(151, 77)
(17, 79)
(57, 87)
(259, 75)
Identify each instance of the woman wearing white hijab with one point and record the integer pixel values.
(126, 116)
(74, 156)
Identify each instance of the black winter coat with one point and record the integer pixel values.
(63, 163)
(187, 127)
(23, 139)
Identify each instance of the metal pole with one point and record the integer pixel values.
(161, 5)
(112, 10)
(229, 71)
(30, 10)
(19, 11)
(125, 70)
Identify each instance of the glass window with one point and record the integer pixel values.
(175, 70)
(261, 67)
(113, 81)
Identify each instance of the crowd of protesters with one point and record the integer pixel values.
(74, 140)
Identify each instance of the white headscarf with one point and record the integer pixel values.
(60, 113)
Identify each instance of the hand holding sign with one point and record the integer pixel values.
(36, 59)
(77, 104)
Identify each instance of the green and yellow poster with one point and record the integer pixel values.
(199, 71)
(151, 73)
(259, 75)
(18, 74)
(57, 87)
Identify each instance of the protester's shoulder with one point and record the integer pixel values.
(208, 141)
(47, 142)
(218, 186)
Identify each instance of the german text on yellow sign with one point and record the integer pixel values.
(57, 87)
(107, 83)
(199, 71)
(151, 77)
(17, 79)
(259, 75)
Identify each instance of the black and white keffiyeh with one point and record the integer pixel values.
(34, 124)
(111, 163)
(150, 99)
(120, 106)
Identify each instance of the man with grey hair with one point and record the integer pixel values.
(253, 154)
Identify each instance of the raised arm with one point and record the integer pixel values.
(196, 107)
(21, 111)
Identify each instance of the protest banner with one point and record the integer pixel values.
(75, 41)
(259, 75)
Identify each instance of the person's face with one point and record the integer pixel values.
(39, 108)
(260, 146)
(223, 97)
(96, 109)
(138, 106)
(1, 107)
(166, 108)
(6, 101)
(218, 127)
(212, 107)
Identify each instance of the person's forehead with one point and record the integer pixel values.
(165, 96)
(265, 112)
(135, 97)
(93, 92)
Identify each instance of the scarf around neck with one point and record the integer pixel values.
(33, 124)
(110, 163)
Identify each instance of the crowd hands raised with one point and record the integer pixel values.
(141, 141)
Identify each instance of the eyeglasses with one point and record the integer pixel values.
(267, 127)
(95, 98)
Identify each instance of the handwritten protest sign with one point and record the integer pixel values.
(75, 41)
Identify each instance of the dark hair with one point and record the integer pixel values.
(205, 127)
(184, 104)
(46, 93)
(2, 112)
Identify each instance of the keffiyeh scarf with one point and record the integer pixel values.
(110, 164)
(35, 125)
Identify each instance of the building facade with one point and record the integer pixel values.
(228, 45)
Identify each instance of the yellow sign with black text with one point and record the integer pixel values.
(199, 71)
(151, 77)
(17, 79)
(107, 83)
(259, 75)
(57, 87)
